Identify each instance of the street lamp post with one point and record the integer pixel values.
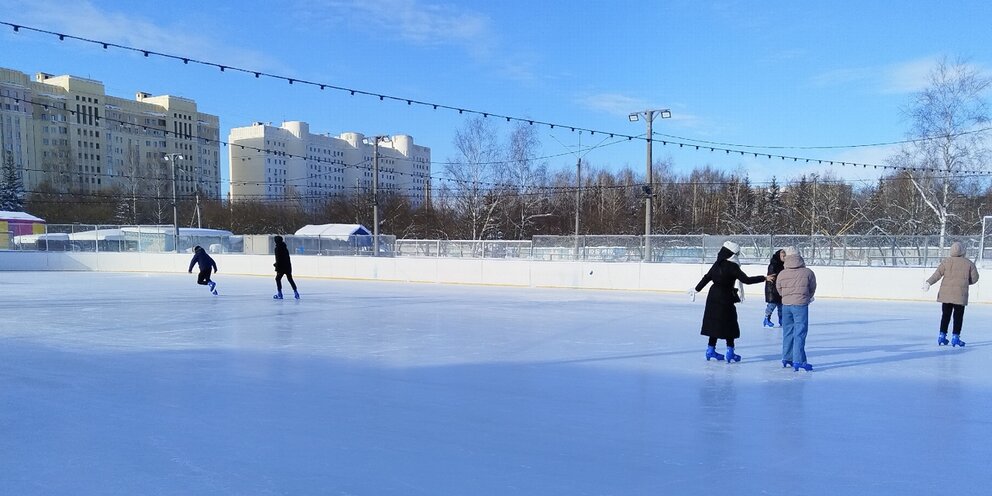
(375, 192)
(649, 116)
(173, 158)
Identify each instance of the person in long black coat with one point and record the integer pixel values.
(720, 315)
(284, 267)
(773, 300)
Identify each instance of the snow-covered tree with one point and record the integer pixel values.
(11, 189)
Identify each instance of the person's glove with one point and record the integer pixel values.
(925, 286)
(692, 294)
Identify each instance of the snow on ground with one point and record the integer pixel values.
(145, 384)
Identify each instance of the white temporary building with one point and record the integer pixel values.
(129, 238)
(343, 232)
(21, 216)
(183, 231)
(98, 235)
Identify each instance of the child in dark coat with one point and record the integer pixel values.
(772, 298)
(206, 264)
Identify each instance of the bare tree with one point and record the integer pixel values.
(130, 182)
(945, 117)
(473, 174)
(739, 212)
(525, 177)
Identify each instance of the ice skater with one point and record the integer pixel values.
(773, 300)
(720, 314)
(797, 285)
(206, 265)
(956, 273)
(284, 267)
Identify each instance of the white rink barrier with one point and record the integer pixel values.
(891, 283)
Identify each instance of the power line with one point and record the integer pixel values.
(830, 147)
(537, 191)
(362, 165)
(365, 166)
(712, 145)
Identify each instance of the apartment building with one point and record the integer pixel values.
(289, 162)
(66, 133)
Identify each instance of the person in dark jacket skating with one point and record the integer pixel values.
(284, 267)
(206, 265)
(772, 298)
(720, 315)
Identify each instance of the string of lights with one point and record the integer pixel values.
(830, 147)
(669, 139)
(364, 165)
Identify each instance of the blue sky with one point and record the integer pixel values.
(774, 73)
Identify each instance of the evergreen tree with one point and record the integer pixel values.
(11, 190)
(774, 209)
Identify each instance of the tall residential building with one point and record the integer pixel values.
(288, 162)
(66, 133)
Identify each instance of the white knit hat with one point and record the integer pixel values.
(791, 250)
(735, 248)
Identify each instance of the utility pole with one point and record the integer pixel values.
(812, 220)
(173, 158)
(649, 116)
(578, 200)
(198, 224)
(812, 226)
(578, 181)
(375, 192)
(578, 194)
(375, 198)
(175, 207)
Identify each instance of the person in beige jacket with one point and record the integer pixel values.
(956, 273)
(797, 285)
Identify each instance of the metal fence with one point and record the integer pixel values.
(354, 246)
(852, 250)
(463, 249)
(117, 238)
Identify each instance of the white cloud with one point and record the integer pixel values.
(415, 21)
(427, 24)
(621, 105)
(844, 76)
(84, 19)
(613, 103)
(908, 77)
(872, 155)
(897, 78)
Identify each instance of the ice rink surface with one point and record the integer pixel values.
(146, 384)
